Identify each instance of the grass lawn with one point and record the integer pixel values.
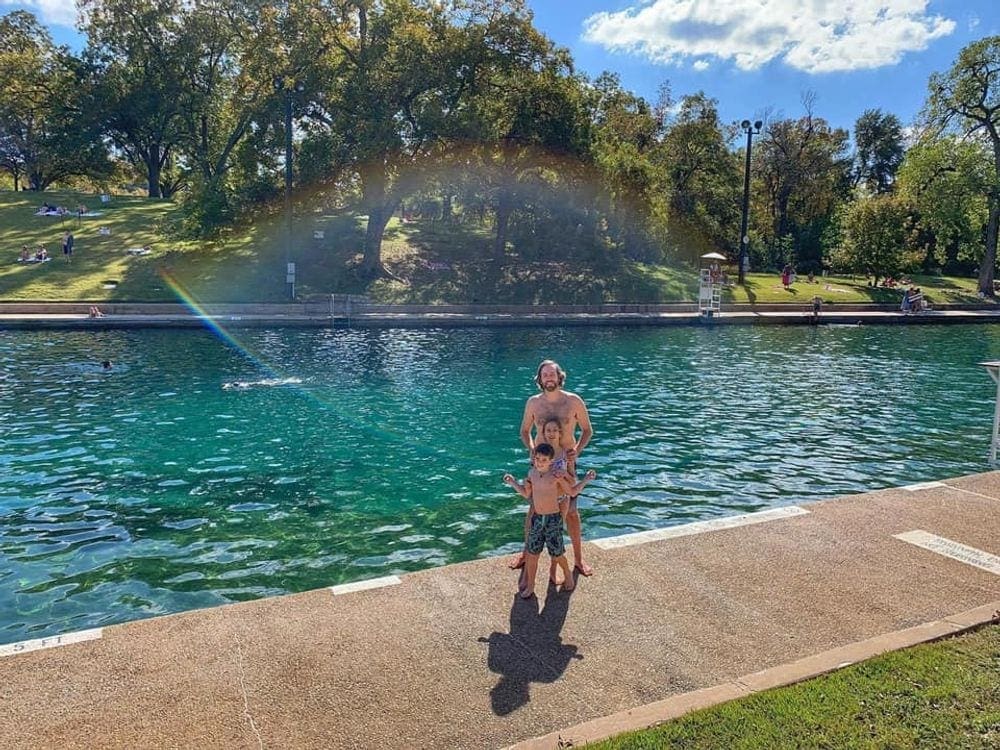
(929, 697)
(432, 262)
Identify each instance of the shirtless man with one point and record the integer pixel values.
(569, 409)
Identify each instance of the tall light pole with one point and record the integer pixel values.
(282, 84)
(751, 130)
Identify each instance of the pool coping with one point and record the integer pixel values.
(71, 316)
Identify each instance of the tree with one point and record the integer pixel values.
(136, 49)
(802, 174)
(874, 234)
(704, 178)
(966, 100)
(878, 139)
(946, 181)
(44, 133)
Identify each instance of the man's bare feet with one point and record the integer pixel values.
(517, 561)
(585, 570)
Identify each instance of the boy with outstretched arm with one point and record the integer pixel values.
(548, 495)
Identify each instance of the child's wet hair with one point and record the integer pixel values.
(544, 449)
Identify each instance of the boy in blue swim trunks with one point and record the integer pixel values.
(548, 495)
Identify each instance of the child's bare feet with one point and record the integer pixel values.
(527, 593)
(569, 584)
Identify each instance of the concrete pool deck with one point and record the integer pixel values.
(447, 658)
(35, 315)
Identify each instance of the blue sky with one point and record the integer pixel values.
(756, 57)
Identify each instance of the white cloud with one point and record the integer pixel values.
(700, 65)
(49, 12)
(817, 36)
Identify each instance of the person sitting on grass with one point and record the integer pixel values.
(549, 498)
(95, 312)
(41, 254)
(25, 254)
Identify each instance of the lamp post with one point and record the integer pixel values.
(283, 84)
(751, 130)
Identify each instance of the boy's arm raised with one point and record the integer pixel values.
(524, 490)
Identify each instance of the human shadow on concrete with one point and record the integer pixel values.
(532, 651)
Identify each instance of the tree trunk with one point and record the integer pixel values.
(153, 170)
(380, 209)
(505, 205)
(446, 209)
(990, 254)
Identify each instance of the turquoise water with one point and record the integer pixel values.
(339, 455)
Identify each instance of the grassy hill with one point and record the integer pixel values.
(432, 262)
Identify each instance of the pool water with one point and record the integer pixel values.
(201, 470)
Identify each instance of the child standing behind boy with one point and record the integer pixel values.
(545, 491)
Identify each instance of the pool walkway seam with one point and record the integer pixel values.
(450, 658)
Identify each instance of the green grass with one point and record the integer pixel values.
(937, 696)
(767, 289)
(431, 262)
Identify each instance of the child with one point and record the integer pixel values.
(547, 495)
(551, 434)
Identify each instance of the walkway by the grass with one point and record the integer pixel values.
(160, 315)
(449, 658)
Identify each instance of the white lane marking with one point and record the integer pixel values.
(954, 550)
(923, 486)
(971, 492)
(23, 647)
(371, 583)
(699, 527)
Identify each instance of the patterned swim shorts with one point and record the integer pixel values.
(546, 531)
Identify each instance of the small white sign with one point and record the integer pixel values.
(23, 647)
(954, 550)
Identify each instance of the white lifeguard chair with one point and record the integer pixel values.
(709, 288)
(993, 368)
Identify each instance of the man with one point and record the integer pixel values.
(555, 403)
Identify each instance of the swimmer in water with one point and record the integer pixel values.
(106, 364)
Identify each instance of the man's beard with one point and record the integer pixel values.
(549, 387)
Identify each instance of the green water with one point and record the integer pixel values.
(351, 454)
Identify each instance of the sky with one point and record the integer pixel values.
(757, 58)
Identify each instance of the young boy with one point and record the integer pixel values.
(544, 491)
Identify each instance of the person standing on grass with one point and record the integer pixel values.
(571, 412)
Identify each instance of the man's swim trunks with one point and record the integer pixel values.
(546, 531)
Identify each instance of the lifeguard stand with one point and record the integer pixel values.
(993, 368)
(709, 294)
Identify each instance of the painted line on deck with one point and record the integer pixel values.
(923, 486)
(972, 492)
(371, 583)
(699, 527)
(53, 641)
(954, 550)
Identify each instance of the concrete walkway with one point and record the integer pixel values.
(162, 315)
(449, 658)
